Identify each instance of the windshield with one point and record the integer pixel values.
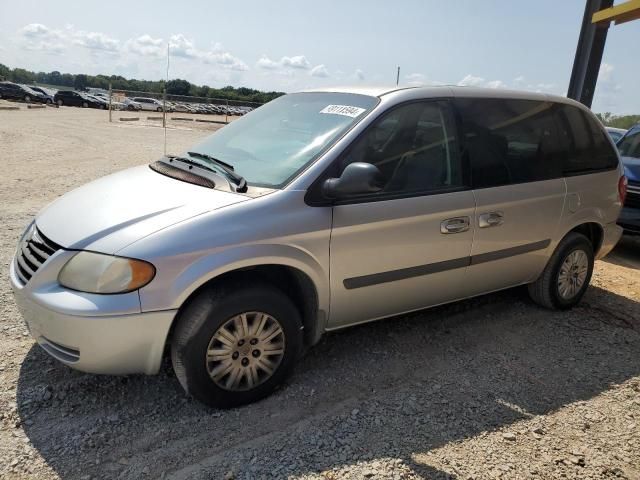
(273, 143)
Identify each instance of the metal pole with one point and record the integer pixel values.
(164, 106)
(226, 119)
(586, 63)
(398, 77)
(110, 94)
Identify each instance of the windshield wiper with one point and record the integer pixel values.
(188, 161)
(228, 169)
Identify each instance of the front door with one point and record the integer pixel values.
(406, 247)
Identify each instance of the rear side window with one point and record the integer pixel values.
(510, 141)
(588, 148)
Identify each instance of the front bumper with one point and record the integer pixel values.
(93, 333)
(630, 220)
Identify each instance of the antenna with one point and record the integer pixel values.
(164, 102)
(398, 77)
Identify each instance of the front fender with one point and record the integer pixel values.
(205, 268)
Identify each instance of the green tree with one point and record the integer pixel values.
(80, 81)
(178, 87)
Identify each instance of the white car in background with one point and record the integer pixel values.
(150, 104)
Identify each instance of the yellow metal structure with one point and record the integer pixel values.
(625, 12)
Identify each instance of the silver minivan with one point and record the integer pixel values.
(318, 211)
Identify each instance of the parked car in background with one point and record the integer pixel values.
(131, 104)
(73, 98)
(319, 211)
(150, 104)
(615, 133)
(629, 147)
(15, 91)
(48, 94)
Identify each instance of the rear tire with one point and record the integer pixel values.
(60, 102)
(27, 98)
(49, 101)
(566, 277)
(85, 105)
(206, 326)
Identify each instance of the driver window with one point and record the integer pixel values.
(414, 146)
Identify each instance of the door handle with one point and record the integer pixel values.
(455, 225)
(491, 219)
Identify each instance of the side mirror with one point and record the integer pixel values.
(357, 178)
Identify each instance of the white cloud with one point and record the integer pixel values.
(605, 72)
(471, 81)
(416, 79)
(319, 71)
(496, 84)
(146, 45)
(518, 79)
(96, 41)
(359, 74)
(217, 55)
(267, 64)
(40, 37)
(299, 61)
(181, 46)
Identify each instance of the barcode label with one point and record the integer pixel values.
(346, 110)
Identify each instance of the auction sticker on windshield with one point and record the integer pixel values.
(346, 110)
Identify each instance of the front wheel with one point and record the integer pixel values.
(85, 105)
(27, 98)
(60, 102)
(567, 275)
(159, 109)
(49, 101)
(234, 344)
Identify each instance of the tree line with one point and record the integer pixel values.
(178, 86)
(618, 121)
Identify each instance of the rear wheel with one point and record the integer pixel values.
(159, 109)
(236, 344)
(49, 101)
(85, 105)
(27, 98)
(60, 102)
(567, 275)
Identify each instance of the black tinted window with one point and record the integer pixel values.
(510, 141)
(588, 148)
(414, 146)
(630, 144)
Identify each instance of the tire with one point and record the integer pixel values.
(49, 101)
(547, 290)
(27, 98)
(85, 105)
(60, 102)
(159, 109)
(214, 310)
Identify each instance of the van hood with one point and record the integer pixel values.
(112, 212)
(631, 168)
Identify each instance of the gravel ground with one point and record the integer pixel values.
(494, 387)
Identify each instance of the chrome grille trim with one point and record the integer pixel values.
(32, 253)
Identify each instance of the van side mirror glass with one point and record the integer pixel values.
(357, 178)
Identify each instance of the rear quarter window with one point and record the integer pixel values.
(588, 147)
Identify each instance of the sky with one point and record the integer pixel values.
(291, 45)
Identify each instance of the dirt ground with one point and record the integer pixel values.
(494, 387)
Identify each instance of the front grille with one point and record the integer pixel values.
(33, 251)
(633, 195)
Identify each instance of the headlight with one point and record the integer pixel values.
(98, 273)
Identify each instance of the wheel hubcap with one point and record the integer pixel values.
(245, 351)
(573, 274)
